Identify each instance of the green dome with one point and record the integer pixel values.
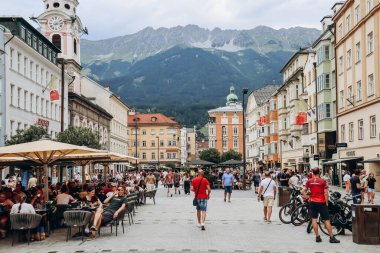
(232, 98)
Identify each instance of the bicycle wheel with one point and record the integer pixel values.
(285, 213)
(309, 227)
(300, 215)
(335, 229)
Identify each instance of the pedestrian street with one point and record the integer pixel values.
(169, 226)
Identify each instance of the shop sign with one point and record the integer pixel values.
(42, 122)
(350, 153)
(341, 145)
(316, 157)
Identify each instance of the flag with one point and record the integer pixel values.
(301, 118)
(53, 84)
(54, 95)
(302, 105)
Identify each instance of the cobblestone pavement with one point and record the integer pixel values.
(169, 226)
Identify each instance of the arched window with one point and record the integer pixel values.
(75, 46)
(56, 40)
(56, 5)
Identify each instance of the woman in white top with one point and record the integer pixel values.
(22, 207)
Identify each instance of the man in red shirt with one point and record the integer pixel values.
(319, 201)
(201, 187)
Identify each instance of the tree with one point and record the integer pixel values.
(231, 154)
(210, 155)
(80, 136)
(33, 133)
(170, 165)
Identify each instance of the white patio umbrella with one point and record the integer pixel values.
(44, 152)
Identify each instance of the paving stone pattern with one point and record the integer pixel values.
(170, 226)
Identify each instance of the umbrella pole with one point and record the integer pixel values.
(83, 174)
(46, 187)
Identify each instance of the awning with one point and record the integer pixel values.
(373, 160)
(342, 160)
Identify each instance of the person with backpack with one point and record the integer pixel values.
(202, 190)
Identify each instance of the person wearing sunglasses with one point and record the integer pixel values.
(117, 203)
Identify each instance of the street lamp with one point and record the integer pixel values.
(245, 92)
(62, 61)
(136, 120)
(158, 152)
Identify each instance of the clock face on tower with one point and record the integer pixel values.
(56, 23)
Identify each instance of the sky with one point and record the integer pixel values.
(110, 18)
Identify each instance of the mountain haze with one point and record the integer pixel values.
(184, 71)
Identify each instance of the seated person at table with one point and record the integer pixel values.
(117, 203)
(64, 198)
(21, 206)
(5, 205)
(91, 199)
(39, 200)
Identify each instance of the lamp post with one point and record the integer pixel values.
(62, 61)
(316, 108)
(136, 120)
(158, 152)
(245, 91)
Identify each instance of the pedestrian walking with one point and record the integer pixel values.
(319, 201)
(267, 194)
(150, 181)
(371, 188)
(202, 190)
(177, 181)
(169, 183)
(356, 188)
(186, 183)
(346, 179)
(256, 181)
(227, 183)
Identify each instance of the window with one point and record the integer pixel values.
(56, 40)
(144, 143)
(284, 100)
(369, 5)
(341, 99)
(75, 46)
(224, 143)
(371, 86)
(340, 31)
(297, 91)
(360, 129)
(357, 14)
(224, 131)
(19, 62)
(18, 97)
(235, 130)
(349, 95)
(351, 131)
(37, 72)
(359, 91)
(12, 127)
(56, 5)
(25, 65)
(152, 143)
(25, 99)
(341, 64)
(349, 65)
(153, 156)
(323, 54)
(67, 6)
(236, 143)
(372, 122)
(370, 42)
(348, 20)
(144, 132)
(324, 111)
(358, 53)
(31, 67)
(152, 132)
(342, 133)
(31, 102)
(323, 82)
(37, 101)
(143, 155)
(12, 94)
(11, 57)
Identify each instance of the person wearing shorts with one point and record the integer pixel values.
(227, 183)
(267, 189)
(169, 183)
(319, 201)
(202, 190)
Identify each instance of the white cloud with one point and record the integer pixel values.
(108, 18)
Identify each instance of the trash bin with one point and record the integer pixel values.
(366, 224)
(283, 195)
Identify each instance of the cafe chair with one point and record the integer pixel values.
(129, 210)
(151, 195)
(77, 219)
(24, 222)
(58, 217)
(119, 220)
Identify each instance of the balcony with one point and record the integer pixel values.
(283, 110)
(283, 133)
(296, 130)
(273, 116)
(274, 138)
(266, 140)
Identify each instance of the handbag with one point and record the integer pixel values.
(195, 202)
(262, 195)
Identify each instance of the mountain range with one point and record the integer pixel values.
(184, 71)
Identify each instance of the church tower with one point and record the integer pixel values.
(60, 24)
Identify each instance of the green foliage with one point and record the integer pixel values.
(210, 155)
(33, 133)
(79, 136)
(231, 154)
(170, 165)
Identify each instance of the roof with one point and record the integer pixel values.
(300, 51)
(263, 94)
(8, 21)
(73, 95)
(149, 119)
(228, 108)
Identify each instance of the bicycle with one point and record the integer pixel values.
(287, 210)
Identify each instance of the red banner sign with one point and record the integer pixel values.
(301, 118)
(54, 95)
(42, 122)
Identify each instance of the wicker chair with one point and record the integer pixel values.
(76, 219)
(118, 220)
(130, 208)
(23, 222)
